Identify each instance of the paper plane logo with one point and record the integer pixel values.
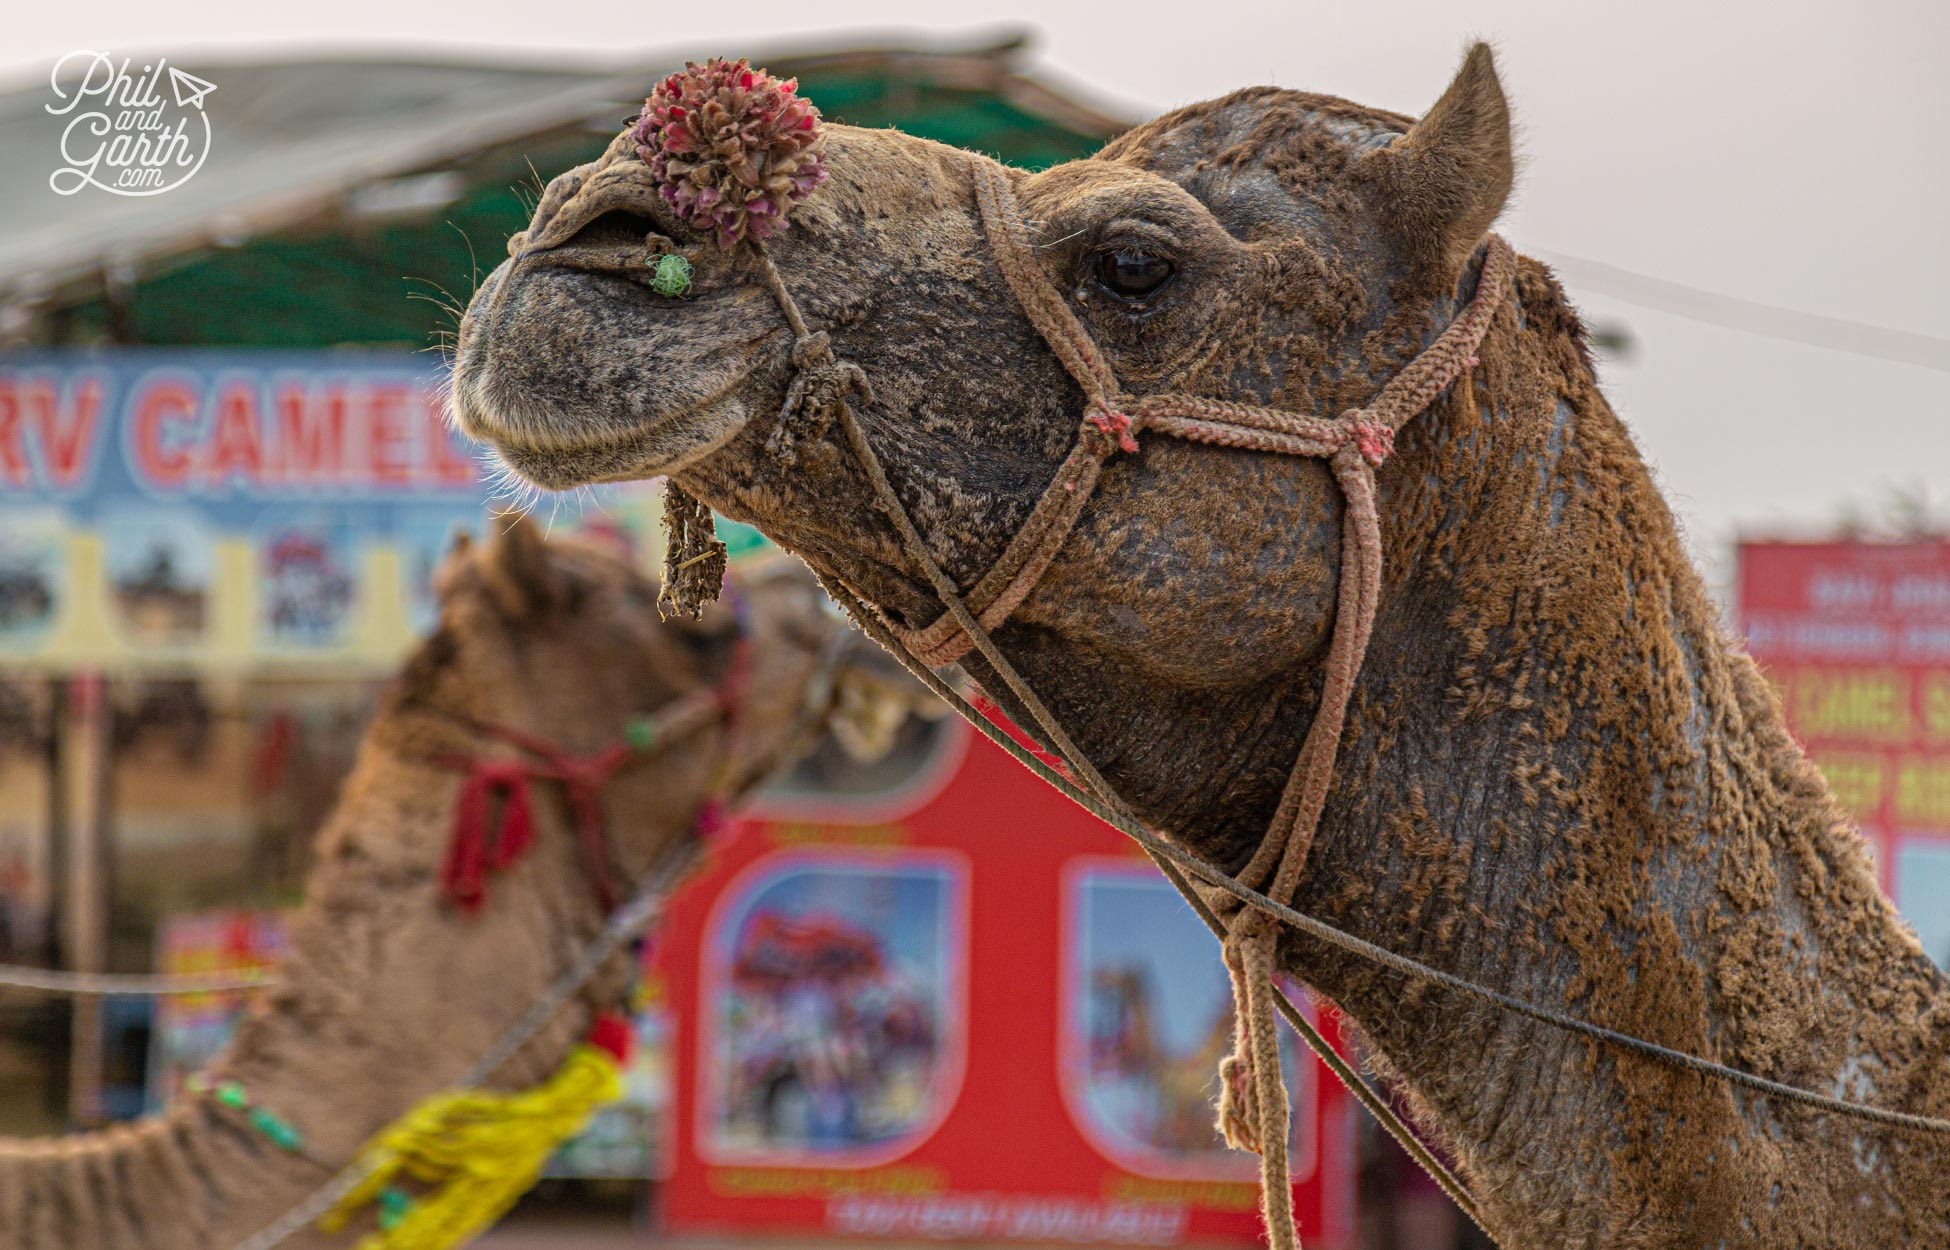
(123, 135)
(190, 89)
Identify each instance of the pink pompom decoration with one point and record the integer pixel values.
(731, 147)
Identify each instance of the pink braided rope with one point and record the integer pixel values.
(1111, 422)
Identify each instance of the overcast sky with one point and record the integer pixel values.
(1791, 153)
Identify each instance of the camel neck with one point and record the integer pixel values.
(409, 988)
(1559, 779)
(1566, 783)
(386, 996)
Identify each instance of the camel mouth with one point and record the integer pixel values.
(539, 378)
(548, 453)
(623, 460)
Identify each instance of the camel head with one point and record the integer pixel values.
(397, 976)
(1270, 246)
(564, 643)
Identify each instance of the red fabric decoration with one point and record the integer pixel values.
(478, 844)
(481, 843)
(494, 819)
(611, 1033)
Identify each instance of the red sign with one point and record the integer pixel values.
(1856, 637)
(963, 1010)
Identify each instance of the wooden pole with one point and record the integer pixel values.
(84, 936)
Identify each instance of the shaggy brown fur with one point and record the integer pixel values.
(390, 992)
(1559, 776)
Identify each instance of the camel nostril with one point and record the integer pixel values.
(621, 226)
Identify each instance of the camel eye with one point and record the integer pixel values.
(1131, 274)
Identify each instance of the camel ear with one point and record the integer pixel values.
(518, 571)
(447, 572)
(1446, 180)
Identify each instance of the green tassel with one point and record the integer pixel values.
(640, 734)
(670, 275)
(282, 1135)
(231, 1094)
(394, 1206)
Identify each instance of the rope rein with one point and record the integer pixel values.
(1254, 1111)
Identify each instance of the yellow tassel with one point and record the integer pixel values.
(473, 1154)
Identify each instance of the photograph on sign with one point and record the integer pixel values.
(307, 583)
(833, 1009)
(161, 566)
(1147, 1016)
(30, 573)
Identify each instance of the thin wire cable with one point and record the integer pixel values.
(1732, 312)
(131, 984)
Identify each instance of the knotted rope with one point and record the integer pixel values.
(820, 383)
(695, 558)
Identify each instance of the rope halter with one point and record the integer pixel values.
(1254, 1111)
(493, 821)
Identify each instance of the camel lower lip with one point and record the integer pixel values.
(662, 447)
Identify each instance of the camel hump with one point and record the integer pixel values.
(1448, 178)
